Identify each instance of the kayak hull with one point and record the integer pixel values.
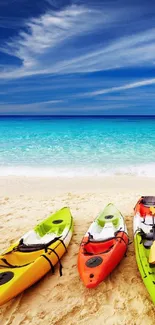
(92, 276)
(147, 273)
(19, 270)
(142, 227)
(98, 257)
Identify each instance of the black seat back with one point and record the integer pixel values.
(148, 201)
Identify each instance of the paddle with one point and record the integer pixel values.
(152, 249)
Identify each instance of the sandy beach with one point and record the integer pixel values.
(121, 298)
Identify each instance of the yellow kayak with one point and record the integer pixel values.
(29, 259)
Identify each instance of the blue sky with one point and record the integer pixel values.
(77, 57)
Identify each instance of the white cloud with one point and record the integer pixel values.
(43, 107)
(51, 43)
(132, 85)
(54, 108)
(45, 34)
(131, 50)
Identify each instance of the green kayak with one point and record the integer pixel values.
(144, 243)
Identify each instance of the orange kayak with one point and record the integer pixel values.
(102, 247)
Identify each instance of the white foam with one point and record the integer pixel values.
(141, 170)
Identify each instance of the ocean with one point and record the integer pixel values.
(77, 146)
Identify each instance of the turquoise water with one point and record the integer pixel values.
(57, 146)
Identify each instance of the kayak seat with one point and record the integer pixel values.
(148, 201)
(32, 238)
(46, 228)
(149, 236)
(100, 248)
(101, 222)
(108, 219)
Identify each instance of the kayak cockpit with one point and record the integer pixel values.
(93, 247)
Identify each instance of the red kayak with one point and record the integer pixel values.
(103, 247)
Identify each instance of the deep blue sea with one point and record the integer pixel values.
(77, 146)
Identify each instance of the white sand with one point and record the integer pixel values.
(121, 299)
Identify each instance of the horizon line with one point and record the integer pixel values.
(77, 115)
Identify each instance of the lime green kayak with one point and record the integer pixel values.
(143, 240)
(146, 270)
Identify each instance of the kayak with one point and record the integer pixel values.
(102, 247)
(33, 255)
(144, 239)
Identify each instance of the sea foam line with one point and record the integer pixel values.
(141, 170)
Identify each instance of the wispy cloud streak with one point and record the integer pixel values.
(51, 43)
(132, 85)
(131, 50)
(44, 35)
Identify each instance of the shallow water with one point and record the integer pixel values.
(69, 146)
